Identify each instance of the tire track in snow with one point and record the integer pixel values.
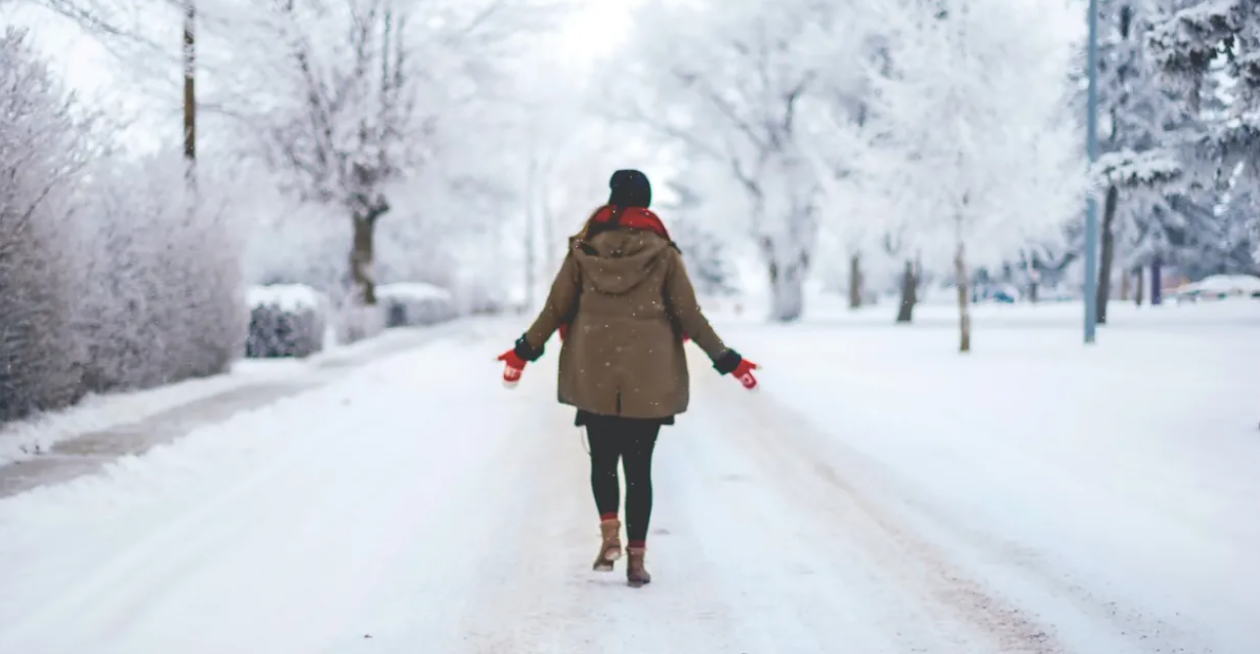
(795, 588)
(270, 559)
(1093, 614)
(114, 589)
(788, 446)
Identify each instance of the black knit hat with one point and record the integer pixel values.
(630, 188)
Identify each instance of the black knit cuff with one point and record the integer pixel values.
(728, 362)
(527, 353)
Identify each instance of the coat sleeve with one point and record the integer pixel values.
(558, 310)
(680, 295)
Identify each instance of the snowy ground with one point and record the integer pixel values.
(882, 494)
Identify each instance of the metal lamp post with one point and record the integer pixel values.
(1091, 202)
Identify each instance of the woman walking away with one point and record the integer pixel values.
(624, 306)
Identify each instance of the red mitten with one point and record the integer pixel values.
(564, 330)
(685, 338)
(743, 372)
(512, 367)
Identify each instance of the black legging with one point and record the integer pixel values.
(630, 441)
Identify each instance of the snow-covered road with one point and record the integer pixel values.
(417, 506)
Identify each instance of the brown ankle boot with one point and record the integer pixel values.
(636, 574)
(609, 545)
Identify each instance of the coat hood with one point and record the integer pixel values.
(618, 260)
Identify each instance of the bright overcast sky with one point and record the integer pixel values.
(596, 28)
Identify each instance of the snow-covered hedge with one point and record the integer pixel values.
(285, 320)
(38, 151)
(108, 278)
(163, 282)
(415, 303)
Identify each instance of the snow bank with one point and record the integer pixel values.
(415, 303)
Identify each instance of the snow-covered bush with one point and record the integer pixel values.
(163, 280)
(285, 320)
(41, 149)
(415, 303)
(110, 276)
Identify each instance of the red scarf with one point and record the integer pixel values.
(634, 218)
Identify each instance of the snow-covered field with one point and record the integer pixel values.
(882, 494)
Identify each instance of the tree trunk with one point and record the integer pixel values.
(1141, 285)
(190, 92)
(362, 253)
(964, 307)
(1107, 254)
(855, 281)
(787, 288)
(1125, 283)
(1034, 279)
(1157, 282)
(787, 267)
(909, 293)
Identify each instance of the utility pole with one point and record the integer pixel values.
(1091, 202)
(190, 93)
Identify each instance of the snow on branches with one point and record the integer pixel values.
(726, 81)
(41, 152)
(108, 280)
(346, 98)
(1133, 170)
(1191, 39)
(969, 141)
(1214, 46)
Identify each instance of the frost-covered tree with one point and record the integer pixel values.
(1216, 43)
(705, 250)
(727, 79)
(971, 146)
(840, 106)
(341, 123)
(348, 96)
(1140, 122)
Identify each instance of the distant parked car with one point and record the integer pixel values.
(1000, 293)
(1219, 287)
(1057, 295)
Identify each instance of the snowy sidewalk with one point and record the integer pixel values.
(80, 440)
(882, 495)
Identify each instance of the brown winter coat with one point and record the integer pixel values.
(628, 300)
